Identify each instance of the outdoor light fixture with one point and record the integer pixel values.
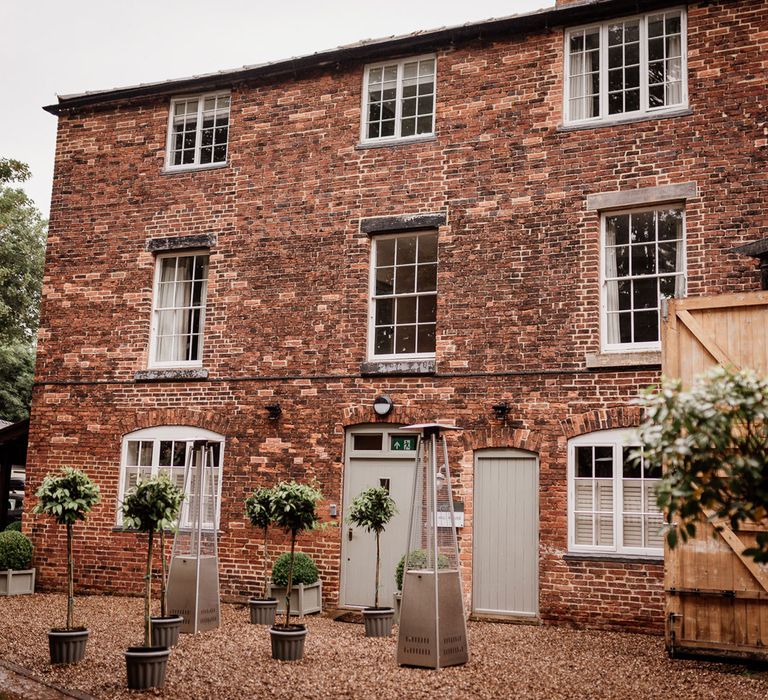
(500, 410)
(274, 411)
(383, 405)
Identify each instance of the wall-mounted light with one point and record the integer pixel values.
(273, 411)
(383, 405)
(500, 410)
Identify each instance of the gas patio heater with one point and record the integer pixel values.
(433, 629)
(193, 578)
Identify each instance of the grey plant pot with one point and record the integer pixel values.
(288, 644)
(146, 667)
(165, 630)
(378, 621)
(67, 646)
(262, 611)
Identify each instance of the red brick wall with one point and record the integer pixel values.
(287, 300)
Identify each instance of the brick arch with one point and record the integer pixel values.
(209, 420)
(354, 415)
(602, 419)
(501, 437)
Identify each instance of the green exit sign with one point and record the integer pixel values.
(402, 443)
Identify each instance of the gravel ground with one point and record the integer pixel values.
(339, 662)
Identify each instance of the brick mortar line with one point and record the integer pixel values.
(280, 378)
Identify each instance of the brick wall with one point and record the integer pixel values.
(287, 299)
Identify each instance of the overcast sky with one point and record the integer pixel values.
(52, 47)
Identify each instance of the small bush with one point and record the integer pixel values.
(15, 551)
(15, 526)
(418, 561)
(304, 569)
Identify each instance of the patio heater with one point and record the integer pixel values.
(193, 578)
(433, 628)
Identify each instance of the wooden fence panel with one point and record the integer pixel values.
(716, 599)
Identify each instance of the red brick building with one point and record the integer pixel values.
(457, 219)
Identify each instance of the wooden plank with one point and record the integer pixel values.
(738, 547)
(706, 339)
(722, 301)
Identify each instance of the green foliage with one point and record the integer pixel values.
(712, 443)
(152, 504)
(304, 569)
(15, 526)
(294, 506)
(372, 509)
(15, 551)
(67, 496)
(22, 252)
(17, 370)
(258, 508)
(417, 560)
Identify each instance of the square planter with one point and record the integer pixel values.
(304, 599)
(17, 582)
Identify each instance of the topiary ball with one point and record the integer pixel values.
(304, 569)
(15, 551)
(14, 526)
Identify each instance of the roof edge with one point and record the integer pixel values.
(573, 13)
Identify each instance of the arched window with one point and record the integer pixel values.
(152, 451)
(611, 500)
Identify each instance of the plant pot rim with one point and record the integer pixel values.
(64, 632)
(288, 629)
(381, 609)
(166, 618)
(261, 601)
(147, 651)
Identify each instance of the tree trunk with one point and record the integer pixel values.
(70, 580)
(378, 563)
(164, 576)
(148, 594)
(290, 583)
(266, 563)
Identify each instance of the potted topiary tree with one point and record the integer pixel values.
(67, 497)
(166, 628)
(258, 508)
(16, 578)
(295, 510)
(150, 506)
(372, 510)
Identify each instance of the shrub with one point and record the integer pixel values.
(304, 569)
(418, 560)
(258, 508)
(15, 526)
(15, 551)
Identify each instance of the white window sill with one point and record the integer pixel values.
(607, 123)
(168, 374)
(179, 169)
(396, 142)
(637, 358)
(401, 367)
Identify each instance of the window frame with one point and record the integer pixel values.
(397, 357)
(616, 348)
(616, 439)
(152, 363)
(167, 433)
(197, 165)
(645, 110)
(396, 137)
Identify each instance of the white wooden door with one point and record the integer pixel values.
(505, 566)
(375, 458)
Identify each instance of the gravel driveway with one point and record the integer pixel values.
(507, 661)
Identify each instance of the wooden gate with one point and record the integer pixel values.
(716, 598)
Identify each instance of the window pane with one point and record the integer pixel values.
(427, 278)
(426, 338)
(385, 312)
(405, 339)
(631, 467)
(646, 327)
(367, 441)
(132, 453)
(584, 462)
(427, 308)
(385, 277)
(603, 462)
(643, 259)
(405, 281)
(406, 310)
(644, 294)
(384, 341)
(385, 252)
(166, 453)
(406, 250)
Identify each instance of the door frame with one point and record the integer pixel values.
(385, 429)
(509, 453)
